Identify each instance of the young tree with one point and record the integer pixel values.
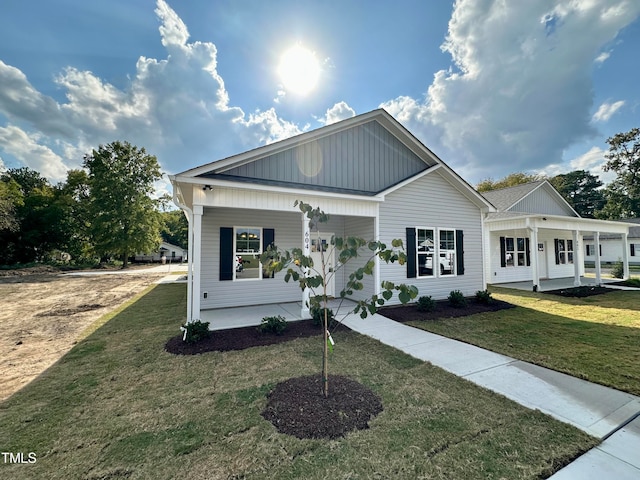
(510, 180)
(623, 194)
(301, 269)
(582, 190)
(124, 216)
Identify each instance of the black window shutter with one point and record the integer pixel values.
(633, 249)
(600, 249)
(557, 248)
(503, 252)
(268, 239)
(411, 252)
(527, 242)
(459, 252)
(226, 253)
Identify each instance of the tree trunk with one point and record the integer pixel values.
(325, 350)
(125, 259)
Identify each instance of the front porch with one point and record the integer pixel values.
(237, 317)
(555, 283)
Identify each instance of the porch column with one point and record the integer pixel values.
(306, 251)
(196, 261)
(190, 269)
(533, 255)
(576, 259)
(625, 256)
(596, 239)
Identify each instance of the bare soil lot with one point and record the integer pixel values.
(43, 312)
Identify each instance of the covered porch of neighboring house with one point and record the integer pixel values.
(542, 251)
(556, 283)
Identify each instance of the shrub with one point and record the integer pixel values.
(426, 304)
(484, 296)
(633, 282)
(618, 270)
(275, 324)
(456, 299)
(196, 331)
(317, 314)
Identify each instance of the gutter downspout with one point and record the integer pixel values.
(189, 214)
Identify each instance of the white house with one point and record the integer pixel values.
(611, 246)
(535, 235)
(373, 177)
(171, 253)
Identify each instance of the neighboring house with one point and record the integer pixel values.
(611, 246)
(171, 253)
(535, 234)
(373, 177)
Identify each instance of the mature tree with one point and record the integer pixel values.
(315, 278)
(38, 217)
(510, 180)
(582, 190)
(175, 228)
(124, 216)
(73, 197)
(10, 199)
(623, 194)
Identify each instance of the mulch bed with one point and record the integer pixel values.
(580, 292)
(298, 407)
(245, 337)
(406, 313)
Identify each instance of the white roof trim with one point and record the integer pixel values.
(589, 223)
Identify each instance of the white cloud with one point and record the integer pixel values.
(521, 90)
(593, 161)
(28, 150)
(602, 57)
(3, 167)
(176, 107)
(340, 111)
(606, 111)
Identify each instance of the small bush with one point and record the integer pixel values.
(484, 297)
(632, 282)
(197, 331)
(275, 325)
(426, 304)
(456, 299)
(618, 270)
(317, 314)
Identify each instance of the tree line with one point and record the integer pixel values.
(104, 211)
(584, 191)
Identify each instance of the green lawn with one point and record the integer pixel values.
(118, 406)
(596, 338)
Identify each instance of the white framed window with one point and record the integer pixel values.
(436, 258)
(564, 251)
(247, 247)
(515, 252)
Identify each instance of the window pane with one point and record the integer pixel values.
(561, 246)
(521, 244)
(247, 254)
(247, 266)
(425, 240)
(562, 258)
(509, 244)
(447, 240)
(570, 256)
(570, 245)
(520, 259)
(509, 259)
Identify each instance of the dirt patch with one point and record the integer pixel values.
(298, 407)
(407, 313)
(245, 337)
(42, 313)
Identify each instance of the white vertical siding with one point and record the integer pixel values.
(431, 201)
(541, 201)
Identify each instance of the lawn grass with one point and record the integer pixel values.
(595, 338)
(118, 406)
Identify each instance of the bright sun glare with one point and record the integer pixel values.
(299, 70)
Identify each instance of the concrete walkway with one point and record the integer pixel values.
(600, 411)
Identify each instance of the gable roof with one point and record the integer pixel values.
(366, 155)
(534, 197)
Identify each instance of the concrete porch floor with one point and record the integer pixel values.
(236, 317)
(554, 283)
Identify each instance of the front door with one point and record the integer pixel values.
(542, 259)
(321, 243)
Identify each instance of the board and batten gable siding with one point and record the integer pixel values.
(542, 202)
(431, 201)
(364, 158)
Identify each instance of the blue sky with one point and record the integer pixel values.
(491, 86)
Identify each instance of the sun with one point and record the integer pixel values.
(299, 70)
